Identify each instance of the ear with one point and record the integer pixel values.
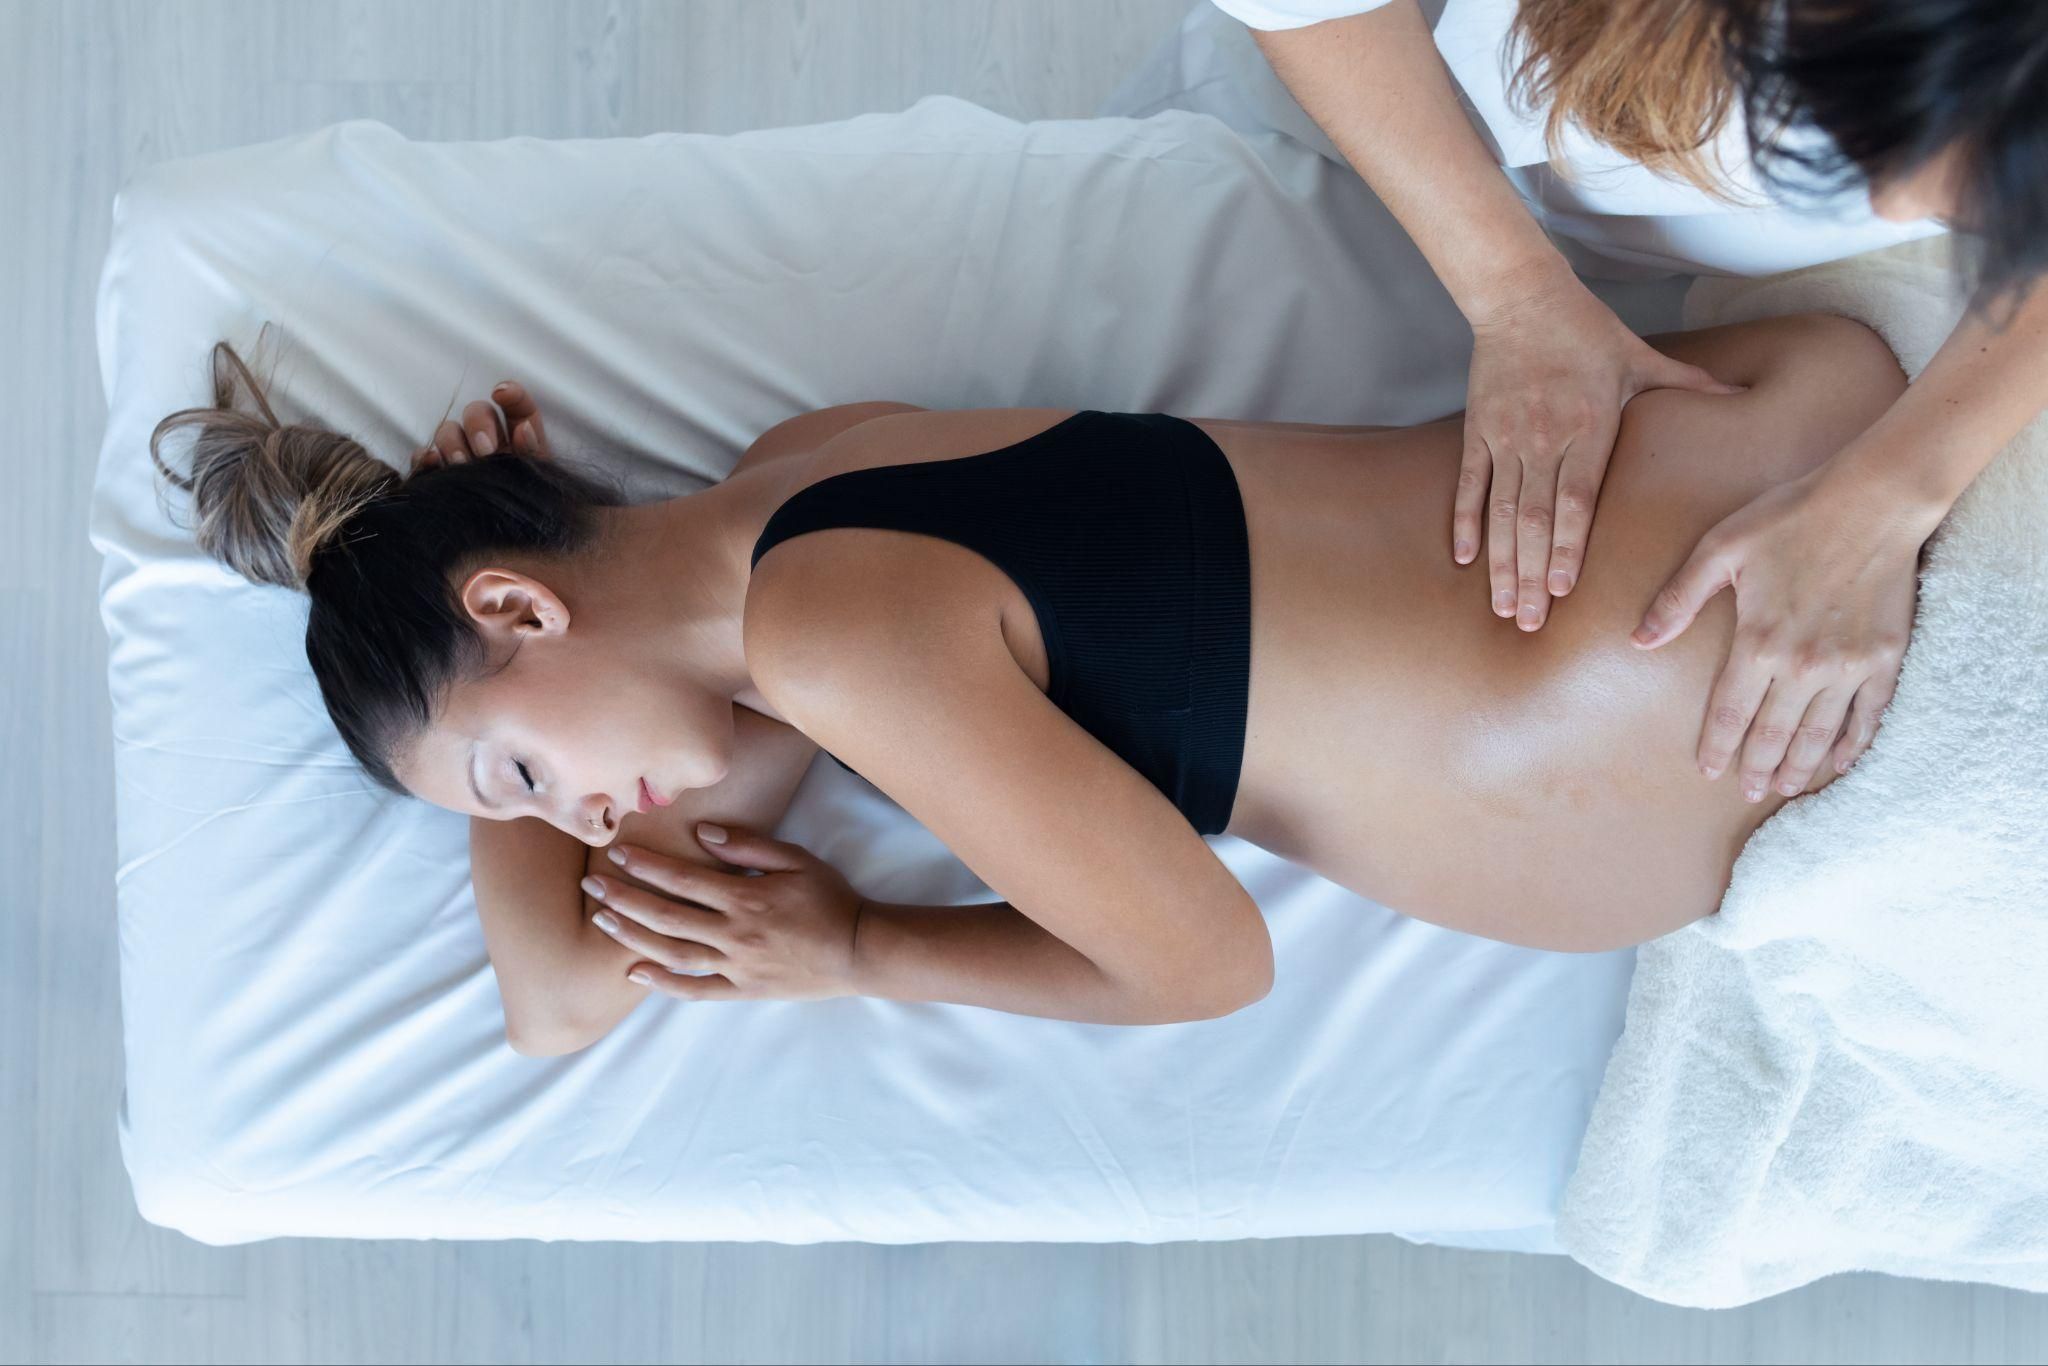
(506, 602)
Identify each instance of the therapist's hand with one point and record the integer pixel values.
(511, 423)
(1825, 574)
(1550, 373)
(786, 935)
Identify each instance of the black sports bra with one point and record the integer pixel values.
(1126, 533)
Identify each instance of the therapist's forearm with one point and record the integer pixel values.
(996, 956)
(1981, 388)
(1377, 87)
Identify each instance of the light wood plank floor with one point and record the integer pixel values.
(90, 91)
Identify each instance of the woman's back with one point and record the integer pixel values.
(1400, 738)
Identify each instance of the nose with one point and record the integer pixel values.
(594, 820)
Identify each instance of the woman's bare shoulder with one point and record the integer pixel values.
(806, 432)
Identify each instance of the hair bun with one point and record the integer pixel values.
(269, 496)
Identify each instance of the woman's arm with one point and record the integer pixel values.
(1117, 911)
(562, 980)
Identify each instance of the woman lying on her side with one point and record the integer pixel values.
(1071, 644)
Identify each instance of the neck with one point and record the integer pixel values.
(682, 565)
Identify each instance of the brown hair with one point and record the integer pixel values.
(268, 494)
(376, 552)
(1649, 78)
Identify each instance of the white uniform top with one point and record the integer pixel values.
(1616, 217)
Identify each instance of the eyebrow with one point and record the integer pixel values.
(484, 801)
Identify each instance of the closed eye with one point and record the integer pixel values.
(523, 774)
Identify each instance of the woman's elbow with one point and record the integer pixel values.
(1249, 981)
(536, 1036)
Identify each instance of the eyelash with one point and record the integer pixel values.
(523, 774)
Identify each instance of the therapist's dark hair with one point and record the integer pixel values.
(377, 552)
(1891, 84)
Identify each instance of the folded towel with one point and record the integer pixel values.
(1847, 1067)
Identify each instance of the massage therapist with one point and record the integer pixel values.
(1628, 138)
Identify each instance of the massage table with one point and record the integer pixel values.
(314, 1038)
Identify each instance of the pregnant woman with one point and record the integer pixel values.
(1071, 644)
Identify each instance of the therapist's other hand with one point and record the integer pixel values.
(510, 423)
(1825, 577)
(1550, 373)
(786, 935)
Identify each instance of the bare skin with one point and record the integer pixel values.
(1535, 788)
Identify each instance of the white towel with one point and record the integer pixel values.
(1847, 1067)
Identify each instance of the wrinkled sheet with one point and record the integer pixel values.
(313, 1034)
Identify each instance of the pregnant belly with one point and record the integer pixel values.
(1538, 788)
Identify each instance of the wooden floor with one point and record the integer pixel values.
(89, 92)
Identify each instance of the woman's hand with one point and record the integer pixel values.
(1550, 374)
(786, 935)
(486, 430)
(1825, 575)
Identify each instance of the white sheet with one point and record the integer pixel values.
(313, 1033)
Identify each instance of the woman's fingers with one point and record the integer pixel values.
(676, 955)
(751, 849)
(1770, 734)
(1665, 373)
(1537, 506)
(1501, 505)
(686, 879)
(1578, 493)
(1823, 722)
(707, 988)
(451, 443)
(481, 429)
(522, 415)
(1736, 695)
(1475, 476)
(1705, 572)
(654, 911)
(1861, 727)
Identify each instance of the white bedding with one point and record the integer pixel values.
(313, 1034)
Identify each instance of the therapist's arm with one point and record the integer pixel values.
(1824, 569)
(1989, 379)
(1551, 364)
(1375, 84)
(562, 980)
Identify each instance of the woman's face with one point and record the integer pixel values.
(583, 708)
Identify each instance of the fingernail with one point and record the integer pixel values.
(709, 833)
(1841, 766)
(1752, 789)
(1463, 551)
(1504, 603)
(605, 921)
(504, 386)
(523, 437)
(485, 443)
(593, 886)
(616, 855)
(1560, 583)
(1710, 770)
(1642, 635)
(1788, 788)
(640, 975)
(1531, 618)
